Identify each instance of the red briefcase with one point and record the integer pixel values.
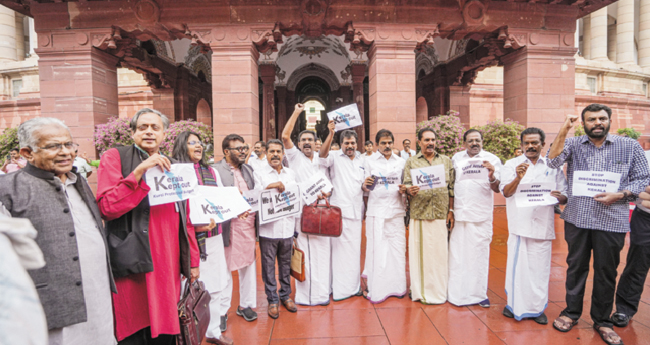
(321, 220)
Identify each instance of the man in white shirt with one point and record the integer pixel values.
(369, 146)
(531, 229)
(477, 177)
(315, 290)
(83, 168)
(385, 266)
(406, 153)
(347, 174)
(276, 237)
(257, 160)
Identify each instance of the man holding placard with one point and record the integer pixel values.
(531, 189)
(605, 173)
(276, 236)
(315, 290)
(477, 177)
(385, 265)
(429, 179)
(347, 173)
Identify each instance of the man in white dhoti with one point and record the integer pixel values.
(477, 176)
(385, 266)
(315, 290)
(346, 172)
(432, 217)
(531, 228)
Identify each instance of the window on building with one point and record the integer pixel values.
(16, 86)
(645, 89)
(591, 82)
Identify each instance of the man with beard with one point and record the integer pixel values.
(258, 161)
(239, 235)
(432, 217)
(346, 171)
(315, 290)
(531, 229)
(597, 222)
(385, 266)
(469, 245)
(276, 236)
(407, 152)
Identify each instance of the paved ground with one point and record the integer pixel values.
(401, 321)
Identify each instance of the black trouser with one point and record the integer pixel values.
(607, 249)
(143, 337)
(630, 286)
(270, 249)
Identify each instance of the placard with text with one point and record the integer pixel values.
(276, 205)
(177, 184)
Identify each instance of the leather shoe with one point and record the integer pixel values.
(221, 341)
(620, 319)
(290, 305)
(273, 311)
(542, 319)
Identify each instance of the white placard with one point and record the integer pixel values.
(346, 117)
(590, 183)
(535, 194)
(472, 169)
(275, 205)
(171, 186)
(312, 188)
(218, 203)
(429, 177)
(252, 197)
(388, 181)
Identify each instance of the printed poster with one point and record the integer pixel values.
(472, 169)
(429, 177)
(171, 186)
(312, 188)
(275, 205)
(218, 203)
(591, 183)
(535, 194)
(346, 117)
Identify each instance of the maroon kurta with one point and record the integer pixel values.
(145, 299)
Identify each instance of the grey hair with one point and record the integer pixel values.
(134, 120)
(26, 130)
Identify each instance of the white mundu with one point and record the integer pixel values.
(469, 245)
(385, 265)
(347, 177)
(315, 290)
(532, 230)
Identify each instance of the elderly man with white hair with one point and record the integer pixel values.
(75, 285)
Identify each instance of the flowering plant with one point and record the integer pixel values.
(117, 132)
(449, 132)
(579, 130)
(8, 141)
(501, 138)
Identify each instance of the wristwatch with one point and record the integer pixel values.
(452, 210)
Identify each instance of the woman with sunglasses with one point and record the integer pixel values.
(188, 148)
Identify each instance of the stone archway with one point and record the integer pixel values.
(421, 110)
(204, 112)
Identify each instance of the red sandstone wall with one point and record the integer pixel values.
(486, 104)
(15, 112)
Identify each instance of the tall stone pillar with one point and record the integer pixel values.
(7, 34)
(163, 101)
(586, 37)
(78, 85)
(391, 77)
(539, 82)
(625, 32)
(20, 37)
(644, 33)
(234, 86)
(283, 108)
(459, 101)
(33, 41)
(599, 34)
(358, 74)
(267, 74)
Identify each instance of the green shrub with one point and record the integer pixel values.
(629, 132)
(579, 131)
(501, 138)
(449, 132)
(8, 141)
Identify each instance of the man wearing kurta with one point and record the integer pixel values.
(346, 171)
(385, 265)
(531, 229)
(432, 216)
(151, 246)
(315, 290)
(469, 245)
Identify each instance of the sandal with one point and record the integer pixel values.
(365, 293)
(565, 326)
(607, 334)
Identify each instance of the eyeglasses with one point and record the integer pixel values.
(195, 142)
(241, 149)
(58, 147)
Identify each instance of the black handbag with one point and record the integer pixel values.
(193, 313)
